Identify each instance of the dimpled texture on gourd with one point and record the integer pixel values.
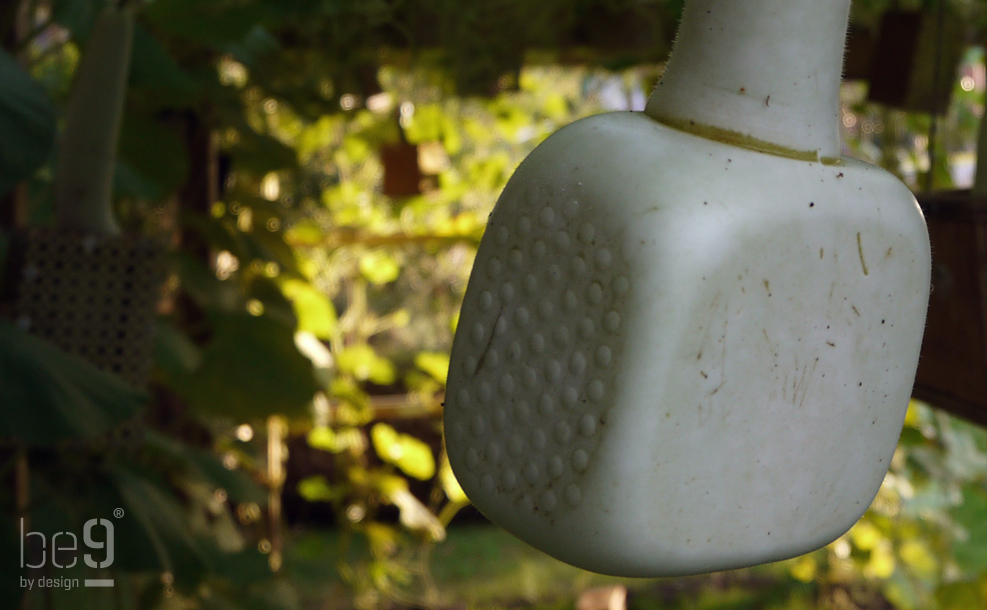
(537, 349)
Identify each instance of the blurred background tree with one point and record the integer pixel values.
(322, 171)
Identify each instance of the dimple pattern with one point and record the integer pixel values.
(94, 296)
(540, 334)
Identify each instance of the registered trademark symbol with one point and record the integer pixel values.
(117, 512)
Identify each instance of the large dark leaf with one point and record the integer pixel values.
(50, 395)
(238, 485)
(27, 123)
(261, 153)
(205, 288)
(154, 152)
(78, 16)
(156, 530)
(250, 369)
(174, 352)
(10, 565)
(152, 67)
(215, 22)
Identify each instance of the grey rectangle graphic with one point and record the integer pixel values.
(99, 582)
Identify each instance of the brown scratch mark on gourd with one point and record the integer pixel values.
(493, 333)
(713, 308)
(820, 253)
(767, 287)
(888, 253)
(860, 250)
(854, 308)
(801, 385)
(717, 388)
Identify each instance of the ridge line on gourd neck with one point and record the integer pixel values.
(760, 74)
(741, 140)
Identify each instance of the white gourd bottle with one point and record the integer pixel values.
(690, 335)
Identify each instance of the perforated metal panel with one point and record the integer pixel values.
(92, 295)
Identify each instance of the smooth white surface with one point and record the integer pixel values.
(768, 69)
(678, 356)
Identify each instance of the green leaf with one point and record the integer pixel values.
(152, 67)
(318, 489)
(279, 595)
(239, 486)
(205, 288)
(244, 568)
(260, 154)
(155, 152)
(27, 123)
(336, 441)
(960, 596)
(971, 554)
(50, 395)
(78, 16)
(404, 451)
(213, 23)
(158, 529)
(250, 369)
(257, 43)
(276, 306)
(9, 560)
(435, 364)
(364, 364)
(379, 267)
(313, 309)
(174, 351)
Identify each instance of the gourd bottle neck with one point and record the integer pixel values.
(764, 74)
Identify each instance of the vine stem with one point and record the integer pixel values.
(980, 180)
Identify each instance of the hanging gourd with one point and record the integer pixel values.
(83, 285)
(690, 334)
(952, 372)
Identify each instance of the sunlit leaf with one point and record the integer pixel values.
(804, 569)
(313, 309)
(404, 451)
(364, 364)
(865, 535)
(916, 555)
(336, 441)
(305, 233)
(318, 489)
(379, 267)
(450, 485)
(881, 563)
(435, 364)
